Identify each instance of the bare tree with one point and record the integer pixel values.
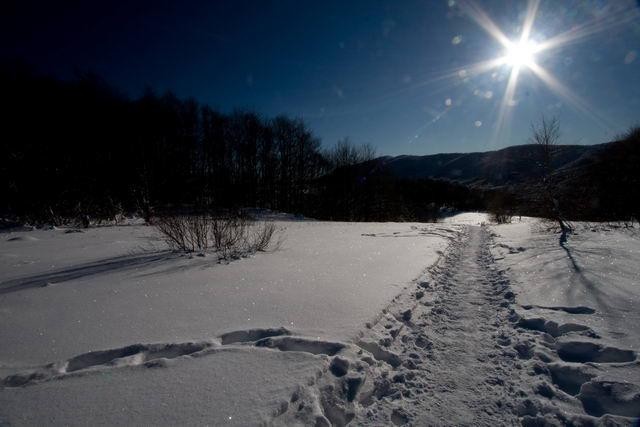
(546, 135)
(345, 153)
(367, 152)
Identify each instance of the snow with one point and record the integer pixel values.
(452, 372)
(361, 323)
(40, 251)
(63, 295)
(598, 270)
(469, 218)
(327, 280)
(581, 305)
(234, 387)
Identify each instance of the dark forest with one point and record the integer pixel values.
(80, 149)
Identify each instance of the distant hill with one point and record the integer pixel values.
(508, 166)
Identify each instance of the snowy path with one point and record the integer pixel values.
(457, 333)
(444, 344)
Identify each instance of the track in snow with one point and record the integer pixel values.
(440, 354)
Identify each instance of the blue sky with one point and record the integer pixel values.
(395, 74)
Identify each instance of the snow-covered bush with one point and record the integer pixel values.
(230, 237)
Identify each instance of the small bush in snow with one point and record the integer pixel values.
(501, 207)
(231, 237)
(185, 233)
(501, 217)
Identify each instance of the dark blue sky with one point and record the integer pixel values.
(394, 74)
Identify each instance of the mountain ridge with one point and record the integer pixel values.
(512, 165)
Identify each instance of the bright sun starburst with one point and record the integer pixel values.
(521, 53)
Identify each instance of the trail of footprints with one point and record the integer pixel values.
(395, 372)
(149, 355)
(571, 359)
(160, 355)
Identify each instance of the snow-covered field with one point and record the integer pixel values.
(66, 294)
(367, 323)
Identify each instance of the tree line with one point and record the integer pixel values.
(79, 148)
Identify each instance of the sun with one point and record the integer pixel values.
(521, 53)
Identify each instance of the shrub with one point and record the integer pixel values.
(263, 235)
(231, 237)
(501, 217)
(500, 206)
